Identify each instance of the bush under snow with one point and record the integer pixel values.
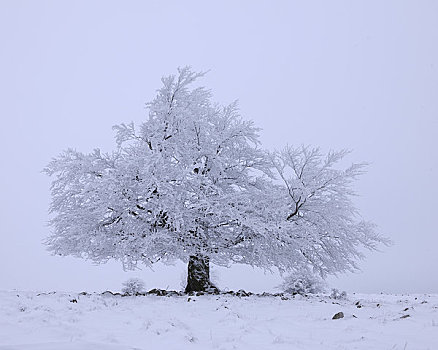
(133, 286)
(336, 294)
(303, 281)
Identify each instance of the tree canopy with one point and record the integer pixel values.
(194, 181)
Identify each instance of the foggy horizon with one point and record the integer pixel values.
(359, 76)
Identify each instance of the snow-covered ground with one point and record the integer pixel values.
(63, 321)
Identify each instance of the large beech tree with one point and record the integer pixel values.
(192, 183)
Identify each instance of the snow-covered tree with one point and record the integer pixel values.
(133, 286)
(303, 281)
(192, 183)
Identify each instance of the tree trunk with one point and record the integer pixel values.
(198, 277)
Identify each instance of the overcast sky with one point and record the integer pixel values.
(361, 75)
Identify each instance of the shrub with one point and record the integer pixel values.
(336, 294)
(133, 286)
(302, 282)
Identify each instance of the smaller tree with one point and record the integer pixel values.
(303, 281)
(336, 294)
(133, 286)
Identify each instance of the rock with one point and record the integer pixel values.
(338, 316)
(108, 292)
(242, 293)
(73, 301)
(212, 290)
(139, 294)
(43, 294)
(158, 292)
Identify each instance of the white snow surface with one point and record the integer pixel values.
(49, 321)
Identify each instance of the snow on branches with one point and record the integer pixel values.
(193, 181)
(317, 205)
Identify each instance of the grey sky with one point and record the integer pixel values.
(361, 75)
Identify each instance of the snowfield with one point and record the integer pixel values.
(62, 321)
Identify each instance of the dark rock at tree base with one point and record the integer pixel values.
(210, 291)
(213, 290)
(338, 316)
